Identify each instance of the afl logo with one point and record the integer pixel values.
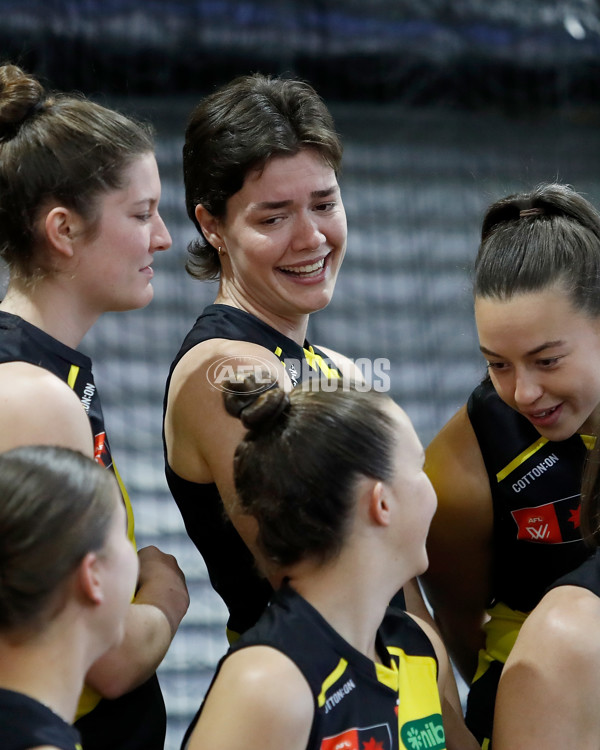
(236, 369)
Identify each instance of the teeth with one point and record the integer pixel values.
(544, 413)
(304, 269)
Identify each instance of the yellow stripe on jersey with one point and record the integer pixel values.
(331, 680)
(72, 377)
(316, 361)
(128, 508)
(588, 440)
(388, 675)
(419, 706)
(521, 458)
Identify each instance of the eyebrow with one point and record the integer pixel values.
(270, 205)
(144, 201)
(537, 350)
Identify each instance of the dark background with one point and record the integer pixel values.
(442, 107)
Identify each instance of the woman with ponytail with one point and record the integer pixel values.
(333, 481)
(79, 230)
(68, 571)
(507, 468)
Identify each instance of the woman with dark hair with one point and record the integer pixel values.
(68, 573)
(79, 227)
(334, 481)
(260, 161)
(507, 468)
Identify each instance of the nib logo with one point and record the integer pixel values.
(424, 734)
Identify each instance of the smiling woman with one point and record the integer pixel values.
(261, 158)
(507, 468)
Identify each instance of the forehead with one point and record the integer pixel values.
(529, 318)
(404, 430)
(284, 172)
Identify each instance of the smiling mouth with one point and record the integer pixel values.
(311, 269)
(545, 413)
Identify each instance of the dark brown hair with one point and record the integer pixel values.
(55, 506)
(296, 468)
(530, 241)
(237, 129)
(56, 147)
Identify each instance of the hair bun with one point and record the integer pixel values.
(20, 96)
(258, 409)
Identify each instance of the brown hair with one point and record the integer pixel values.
(56, 147)
(296, 468)
(55, 506)
(237, 129)
(530, 241)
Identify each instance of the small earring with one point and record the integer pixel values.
(220, 250)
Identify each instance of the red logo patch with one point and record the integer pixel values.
(538, 524)
(346, 741)
(100, 449)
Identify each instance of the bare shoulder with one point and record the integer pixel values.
(274, 706)
(41, 409)
(453, 458)
(200, 436)
(562, 628)
(454, 464)
(545, 695)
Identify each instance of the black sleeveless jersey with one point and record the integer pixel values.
(230, 565)
(26, 723)
(136, 721)
(535, 486)
(586, 576)
(358, 703)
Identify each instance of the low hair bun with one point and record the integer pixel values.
(21, 96)
(257, 409)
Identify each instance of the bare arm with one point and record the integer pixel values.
(201, 437)
(159, 605)
(259, 701)
(37, 408)
(548, 691)
(457, 582)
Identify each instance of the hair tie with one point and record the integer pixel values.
(530, 212)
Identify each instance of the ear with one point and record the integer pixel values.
(211, 226)
(379, 507)
(62, 226)
(89, 578)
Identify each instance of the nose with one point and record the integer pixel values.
(161, 239)
(307, 233)
(527, 389)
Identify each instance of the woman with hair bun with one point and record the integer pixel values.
(334, 481)
(79, 229)
(507, 468)
(68, 571)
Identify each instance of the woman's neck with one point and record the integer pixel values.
(50, 308)
(292, 327)
(49, 668)
(347, 596)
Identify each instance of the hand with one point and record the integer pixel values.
(161, 583)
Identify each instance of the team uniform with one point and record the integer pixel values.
(230, 564)
(587, 576)
(137, 720)
(535, 486)
(27, 723)
(358, 704)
